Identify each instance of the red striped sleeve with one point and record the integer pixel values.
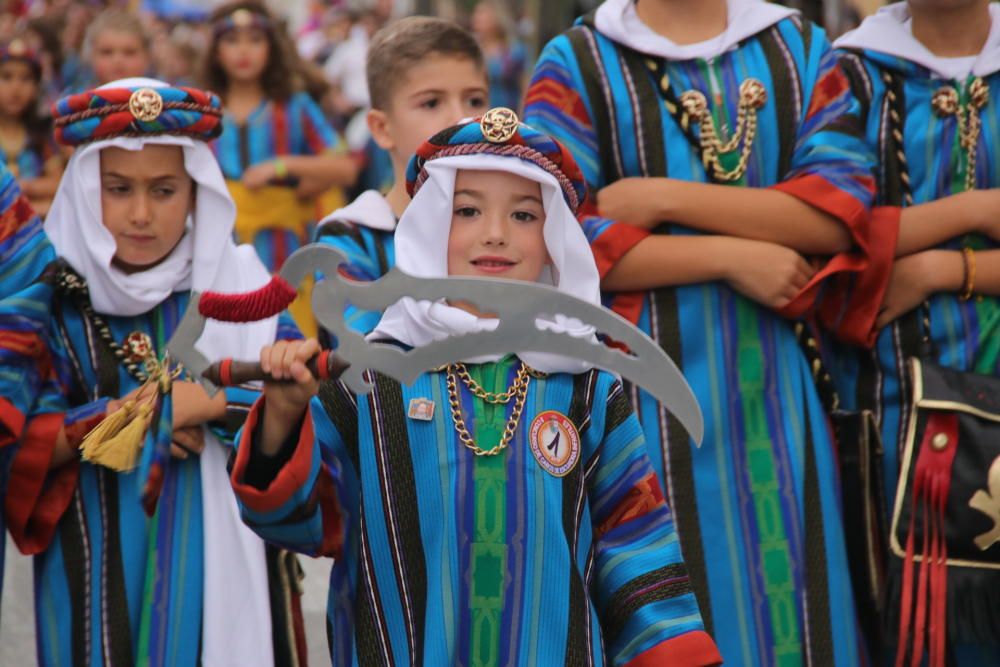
(37, 497)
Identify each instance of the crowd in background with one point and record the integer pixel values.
(74, 46)
(299, 141)
(78, 45)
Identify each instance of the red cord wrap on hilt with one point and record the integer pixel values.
(268, 301)
(931, 485)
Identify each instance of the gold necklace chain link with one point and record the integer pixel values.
(518, 391)
(946, 102)
(496, 398)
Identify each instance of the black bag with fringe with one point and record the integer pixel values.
(946, 517)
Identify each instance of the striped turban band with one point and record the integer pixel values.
(136, 112)
(499, 132)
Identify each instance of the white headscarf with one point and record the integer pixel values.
(618, 21)
(236, 613)
(422, 250)
(890, 31)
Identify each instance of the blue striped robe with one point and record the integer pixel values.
(24, 253)
(757, 505)
(98, 555)
(965, 335)
(371, 253)
(443, 557)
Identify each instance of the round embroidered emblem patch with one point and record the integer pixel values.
(555, 442)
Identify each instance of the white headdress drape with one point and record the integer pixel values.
(421, 243)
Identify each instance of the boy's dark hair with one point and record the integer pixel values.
(398, 46)
(283, 75)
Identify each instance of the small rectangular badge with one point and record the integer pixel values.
(421, 409)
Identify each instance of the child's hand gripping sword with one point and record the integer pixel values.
(517, 305)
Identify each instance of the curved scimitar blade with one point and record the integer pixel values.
(181, 345)
(517, 305)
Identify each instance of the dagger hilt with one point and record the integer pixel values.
(326, 365)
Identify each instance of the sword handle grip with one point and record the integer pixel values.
(227, 373)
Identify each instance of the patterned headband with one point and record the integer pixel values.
(499, 132)
(242, 18)
(16, 49)
(114, 112)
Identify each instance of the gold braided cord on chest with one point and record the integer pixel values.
(947, 102)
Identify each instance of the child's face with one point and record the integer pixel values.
(496, 227)
(118, 55)
(243, 54)
(18, 88)
(434, 94)
(146, 196)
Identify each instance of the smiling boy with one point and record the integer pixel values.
(522, 524)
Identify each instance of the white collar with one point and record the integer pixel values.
(618, 21)
(888, 32)
(421, 243)
(370, 209)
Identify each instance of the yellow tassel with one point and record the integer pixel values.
(107, 428)
(121, 453)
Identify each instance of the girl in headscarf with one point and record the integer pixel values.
(499, 511)
(283, 162)
(140, 561)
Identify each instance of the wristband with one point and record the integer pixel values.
(280, 169)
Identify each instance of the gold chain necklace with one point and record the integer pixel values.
(477, 390)
(518, 391)
(753, 97)
(946, 102)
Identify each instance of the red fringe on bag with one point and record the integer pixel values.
(931, 485)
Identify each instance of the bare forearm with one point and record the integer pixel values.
(277, 428)
(754, 213)
(944, 271)
(323, 171)
(43, 187)
(663, 261)
(929, 225)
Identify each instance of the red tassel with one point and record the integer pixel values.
(260, 304)
(931, 485)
